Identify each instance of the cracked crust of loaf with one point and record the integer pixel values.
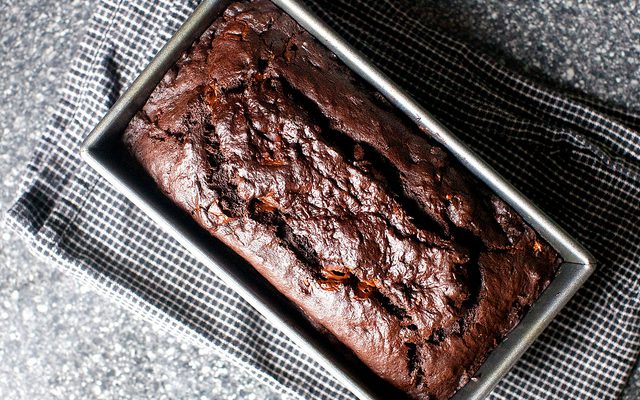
(372, 229)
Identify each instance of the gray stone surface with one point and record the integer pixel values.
(590, 46)
(59, 340)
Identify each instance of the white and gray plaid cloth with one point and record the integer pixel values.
(577, 160)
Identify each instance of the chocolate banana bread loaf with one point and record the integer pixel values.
(358, 217)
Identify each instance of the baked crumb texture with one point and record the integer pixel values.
(370, 227)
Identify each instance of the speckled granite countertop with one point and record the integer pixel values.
(59, 340)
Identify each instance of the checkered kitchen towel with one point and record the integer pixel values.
(578, 162)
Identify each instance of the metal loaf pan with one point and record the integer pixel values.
(104, 151)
